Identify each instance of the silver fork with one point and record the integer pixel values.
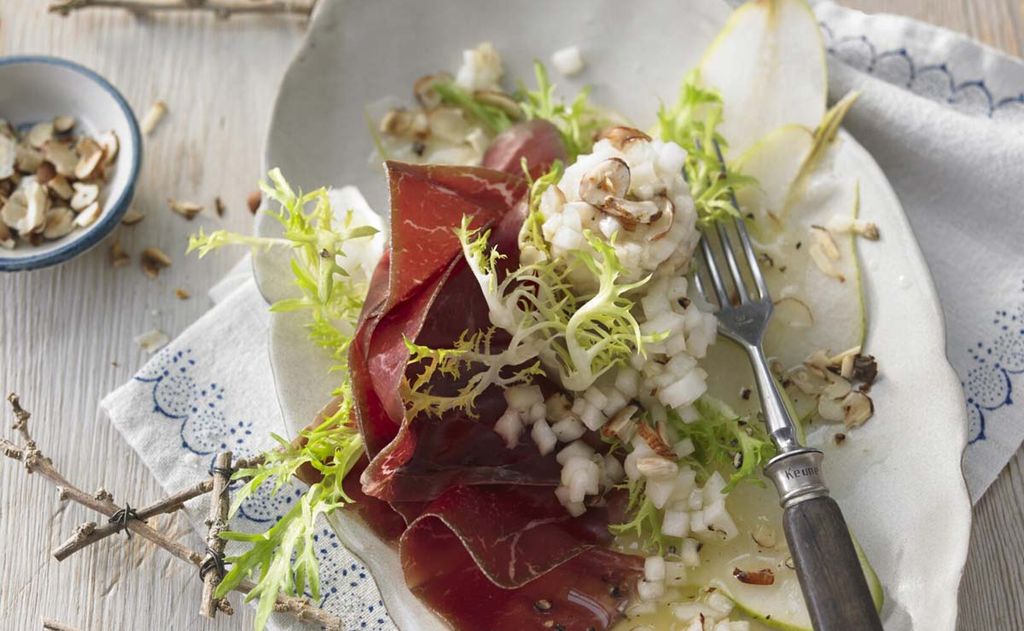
(827, 564)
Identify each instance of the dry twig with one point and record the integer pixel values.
(212, 569)
(221, 8)
(102, 502)
(85, 535)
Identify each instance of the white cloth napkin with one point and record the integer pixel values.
(943, 115)
(211, 390)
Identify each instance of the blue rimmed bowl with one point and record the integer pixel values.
(40, 88)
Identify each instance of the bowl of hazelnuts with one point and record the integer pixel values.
(70, 151)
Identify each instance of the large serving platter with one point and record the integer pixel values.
(899, 481)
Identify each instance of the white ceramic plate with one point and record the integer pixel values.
(900, 483)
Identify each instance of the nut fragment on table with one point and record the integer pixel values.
(153, 117)
(132, 217)
(51, 180)
(152, 341)
(188, 210)
(118, 257)
(153, 260)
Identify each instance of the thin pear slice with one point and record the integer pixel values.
(781, 604)
(819, 269)
(768, 64)
(776, 161)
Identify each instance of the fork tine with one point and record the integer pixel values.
(699, 283)
(734, 267)
(713, 271)
(748, 247)
(752, 263)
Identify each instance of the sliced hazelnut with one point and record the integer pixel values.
(60, 187)
(8, 156)
(132, 217)
(86, 146)
(85, 194)
(654, 440)
(153, 116)
(622, 425)
(38, 203)
(59, 222)
(857, 408)
(153, 260)
(806, 381)
(182, 294)
(111, 145)
(500, 100)
(865, 368)
(88, 215)
(39, 134)
(188, 210)
(831, 409)
(608, 180)
(118, 257)
(764, 576)
(837, 389)
(63, 124)
(27, 158)
(448, 124)
(631, 212)
(424, 90)
(152, 341)
(60, 155)
(90, 165)
(45, 173)
(396, 122)
(663, 224)
(657, 467)
(6, 238)
(867, 230)
(619, 136)
(14, 209)
(252, 200)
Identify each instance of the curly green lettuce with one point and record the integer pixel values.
(282, 559)
(723, 441)
(577, 122)
(692, 123)
(576, 336)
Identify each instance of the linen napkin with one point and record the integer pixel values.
(942, 114)
(211, 390)
(944, 117)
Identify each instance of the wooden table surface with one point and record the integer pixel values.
(66, 333)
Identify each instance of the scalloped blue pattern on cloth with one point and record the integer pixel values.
(197, 407)
(989, 383)
(934, 80)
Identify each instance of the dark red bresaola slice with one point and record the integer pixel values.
(586, 593)
(428, 203)
(486, 539)
(538, 141)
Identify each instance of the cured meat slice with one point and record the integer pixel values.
(585, 593)
(538, 141)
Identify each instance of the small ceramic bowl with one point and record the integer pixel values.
(41, 88)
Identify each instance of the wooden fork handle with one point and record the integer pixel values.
(830, 572)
